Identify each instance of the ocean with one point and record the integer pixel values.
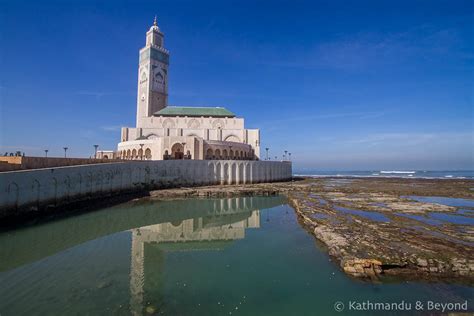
(450, 174)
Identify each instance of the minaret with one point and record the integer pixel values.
(152, 75)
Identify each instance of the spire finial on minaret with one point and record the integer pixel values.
(154, 21)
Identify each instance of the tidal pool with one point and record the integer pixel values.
(420, 218)
(439, 218)
(468, 212)
(453, 219)
(456, 202)
(375, 216)
(237, 256)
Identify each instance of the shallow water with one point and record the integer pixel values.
(320, 216)
(375, 216)
(240, 256)
(453, 219)
(421, 218)
(321, 201)
(436, 218)
(456, 202)
(468, 212)
(379, 204)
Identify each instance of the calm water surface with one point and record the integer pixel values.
(240, 256)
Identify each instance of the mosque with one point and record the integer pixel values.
(178, 132)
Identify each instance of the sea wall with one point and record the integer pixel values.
(27, 190)
(9, 163)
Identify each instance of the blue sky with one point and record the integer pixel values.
(346, 85)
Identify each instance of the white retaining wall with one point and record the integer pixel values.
(31, 188)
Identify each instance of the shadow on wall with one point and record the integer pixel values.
(23, 163)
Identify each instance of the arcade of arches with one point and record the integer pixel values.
(181, 151)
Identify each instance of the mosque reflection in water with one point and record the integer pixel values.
(225, 222)
(139, 267)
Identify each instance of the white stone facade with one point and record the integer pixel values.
(163, 132)
(195, 137)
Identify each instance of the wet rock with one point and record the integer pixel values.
(408, 246)
(471, 266)
(349, 269)
(329, 237)
(104, 284)
(362, 267)
(151, 310)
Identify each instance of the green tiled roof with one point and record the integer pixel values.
(194, 111)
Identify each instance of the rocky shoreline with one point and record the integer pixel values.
(372, 227)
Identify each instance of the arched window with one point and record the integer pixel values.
(193, 124)
(209, 153)
(148, 154)
(152, 136)
(232, 138)
(159, 77)
(177, 151)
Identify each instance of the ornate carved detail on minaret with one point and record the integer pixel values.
(152, 75)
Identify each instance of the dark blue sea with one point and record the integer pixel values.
(449, 174)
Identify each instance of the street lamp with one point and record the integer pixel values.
(65, 150)
(276, 158)
(141, 151)
(95, 154)
(284, 157)
(267, 153)
(46, 153)
(289, 154)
